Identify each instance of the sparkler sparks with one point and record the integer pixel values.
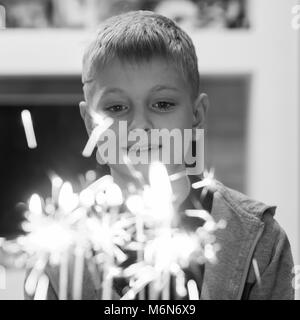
(101, 227)
(256, 271)
(95, 225)
(67, 200)
(28, 127)
(162, 192)
(102, 125)
(35, 205)
(208, 180)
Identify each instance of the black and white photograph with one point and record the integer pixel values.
(150, 150)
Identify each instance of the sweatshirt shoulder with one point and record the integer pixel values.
(243, 205)
(249, 212)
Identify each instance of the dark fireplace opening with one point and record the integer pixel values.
(61, 137)
(60, 134)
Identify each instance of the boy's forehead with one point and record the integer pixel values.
(122, 75)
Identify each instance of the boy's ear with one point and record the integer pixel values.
(83, 107)
(200, 109)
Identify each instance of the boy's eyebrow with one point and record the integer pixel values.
(163, 87)
(155, 88)
(113, 90)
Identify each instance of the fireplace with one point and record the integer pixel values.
(61, 136)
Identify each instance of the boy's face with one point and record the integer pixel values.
(147, 95)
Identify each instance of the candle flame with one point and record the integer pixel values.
(161, 191)
(56, 181)
(67, 200)
(87, 198)
(159, 181)
(35, 204)
(114, 196)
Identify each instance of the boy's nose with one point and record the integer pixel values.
(140, 121)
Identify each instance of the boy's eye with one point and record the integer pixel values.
(116, 108)
(163, 106)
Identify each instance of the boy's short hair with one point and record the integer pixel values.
(137, 36)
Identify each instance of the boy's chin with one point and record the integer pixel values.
(126, 174)
(122, 169)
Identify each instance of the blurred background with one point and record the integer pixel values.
(88, 13)
(249, 63)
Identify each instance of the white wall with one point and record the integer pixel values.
(270, 52)
(273, 167)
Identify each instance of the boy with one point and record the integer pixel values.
(142, 69)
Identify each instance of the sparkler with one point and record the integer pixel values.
(86, 226)
(75, 226)
(95, 226)
(170, 251)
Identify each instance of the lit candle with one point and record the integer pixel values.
(35, 273)
(42, 288)
(140, 239)
(107, 280)
(180, 283)
(78, 273)
(135, 204)
(193, 290)
(162, 190)
(28, 127)
(153, 292)
(56, 183)
(63, 276)
(166, 289)
(107, 288)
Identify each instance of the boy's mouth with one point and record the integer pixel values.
(143, 148)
